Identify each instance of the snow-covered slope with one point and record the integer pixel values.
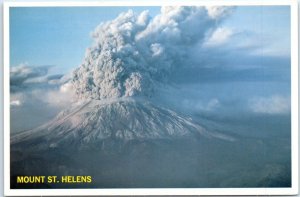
(95, 121)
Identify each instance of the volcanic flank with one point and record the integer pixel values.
(95, 123)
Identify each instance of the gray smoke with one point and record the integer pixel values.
(134, 53)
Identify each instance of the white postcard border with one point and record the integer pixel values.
(165, 191)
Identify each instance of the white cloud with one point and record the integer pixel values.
(30, 85)
(25, 78)
(270, 105)
(212, 104)
(220, 36)
(200, 105)
(218, 12)
(15, 103)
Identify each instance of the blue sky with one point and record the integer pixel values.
(59, 36)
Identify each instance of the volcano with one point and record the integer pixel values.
(96, 122)
(96, 137)
(114, 131)
(118, 132)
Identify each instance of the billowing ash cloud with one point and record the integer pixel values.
(133, 53)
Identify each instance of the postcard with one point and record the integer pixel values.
(151, 98)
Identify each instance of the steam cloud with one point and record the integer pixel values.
(132, 54)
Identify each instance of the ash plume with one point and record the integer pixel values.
(134, 53)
